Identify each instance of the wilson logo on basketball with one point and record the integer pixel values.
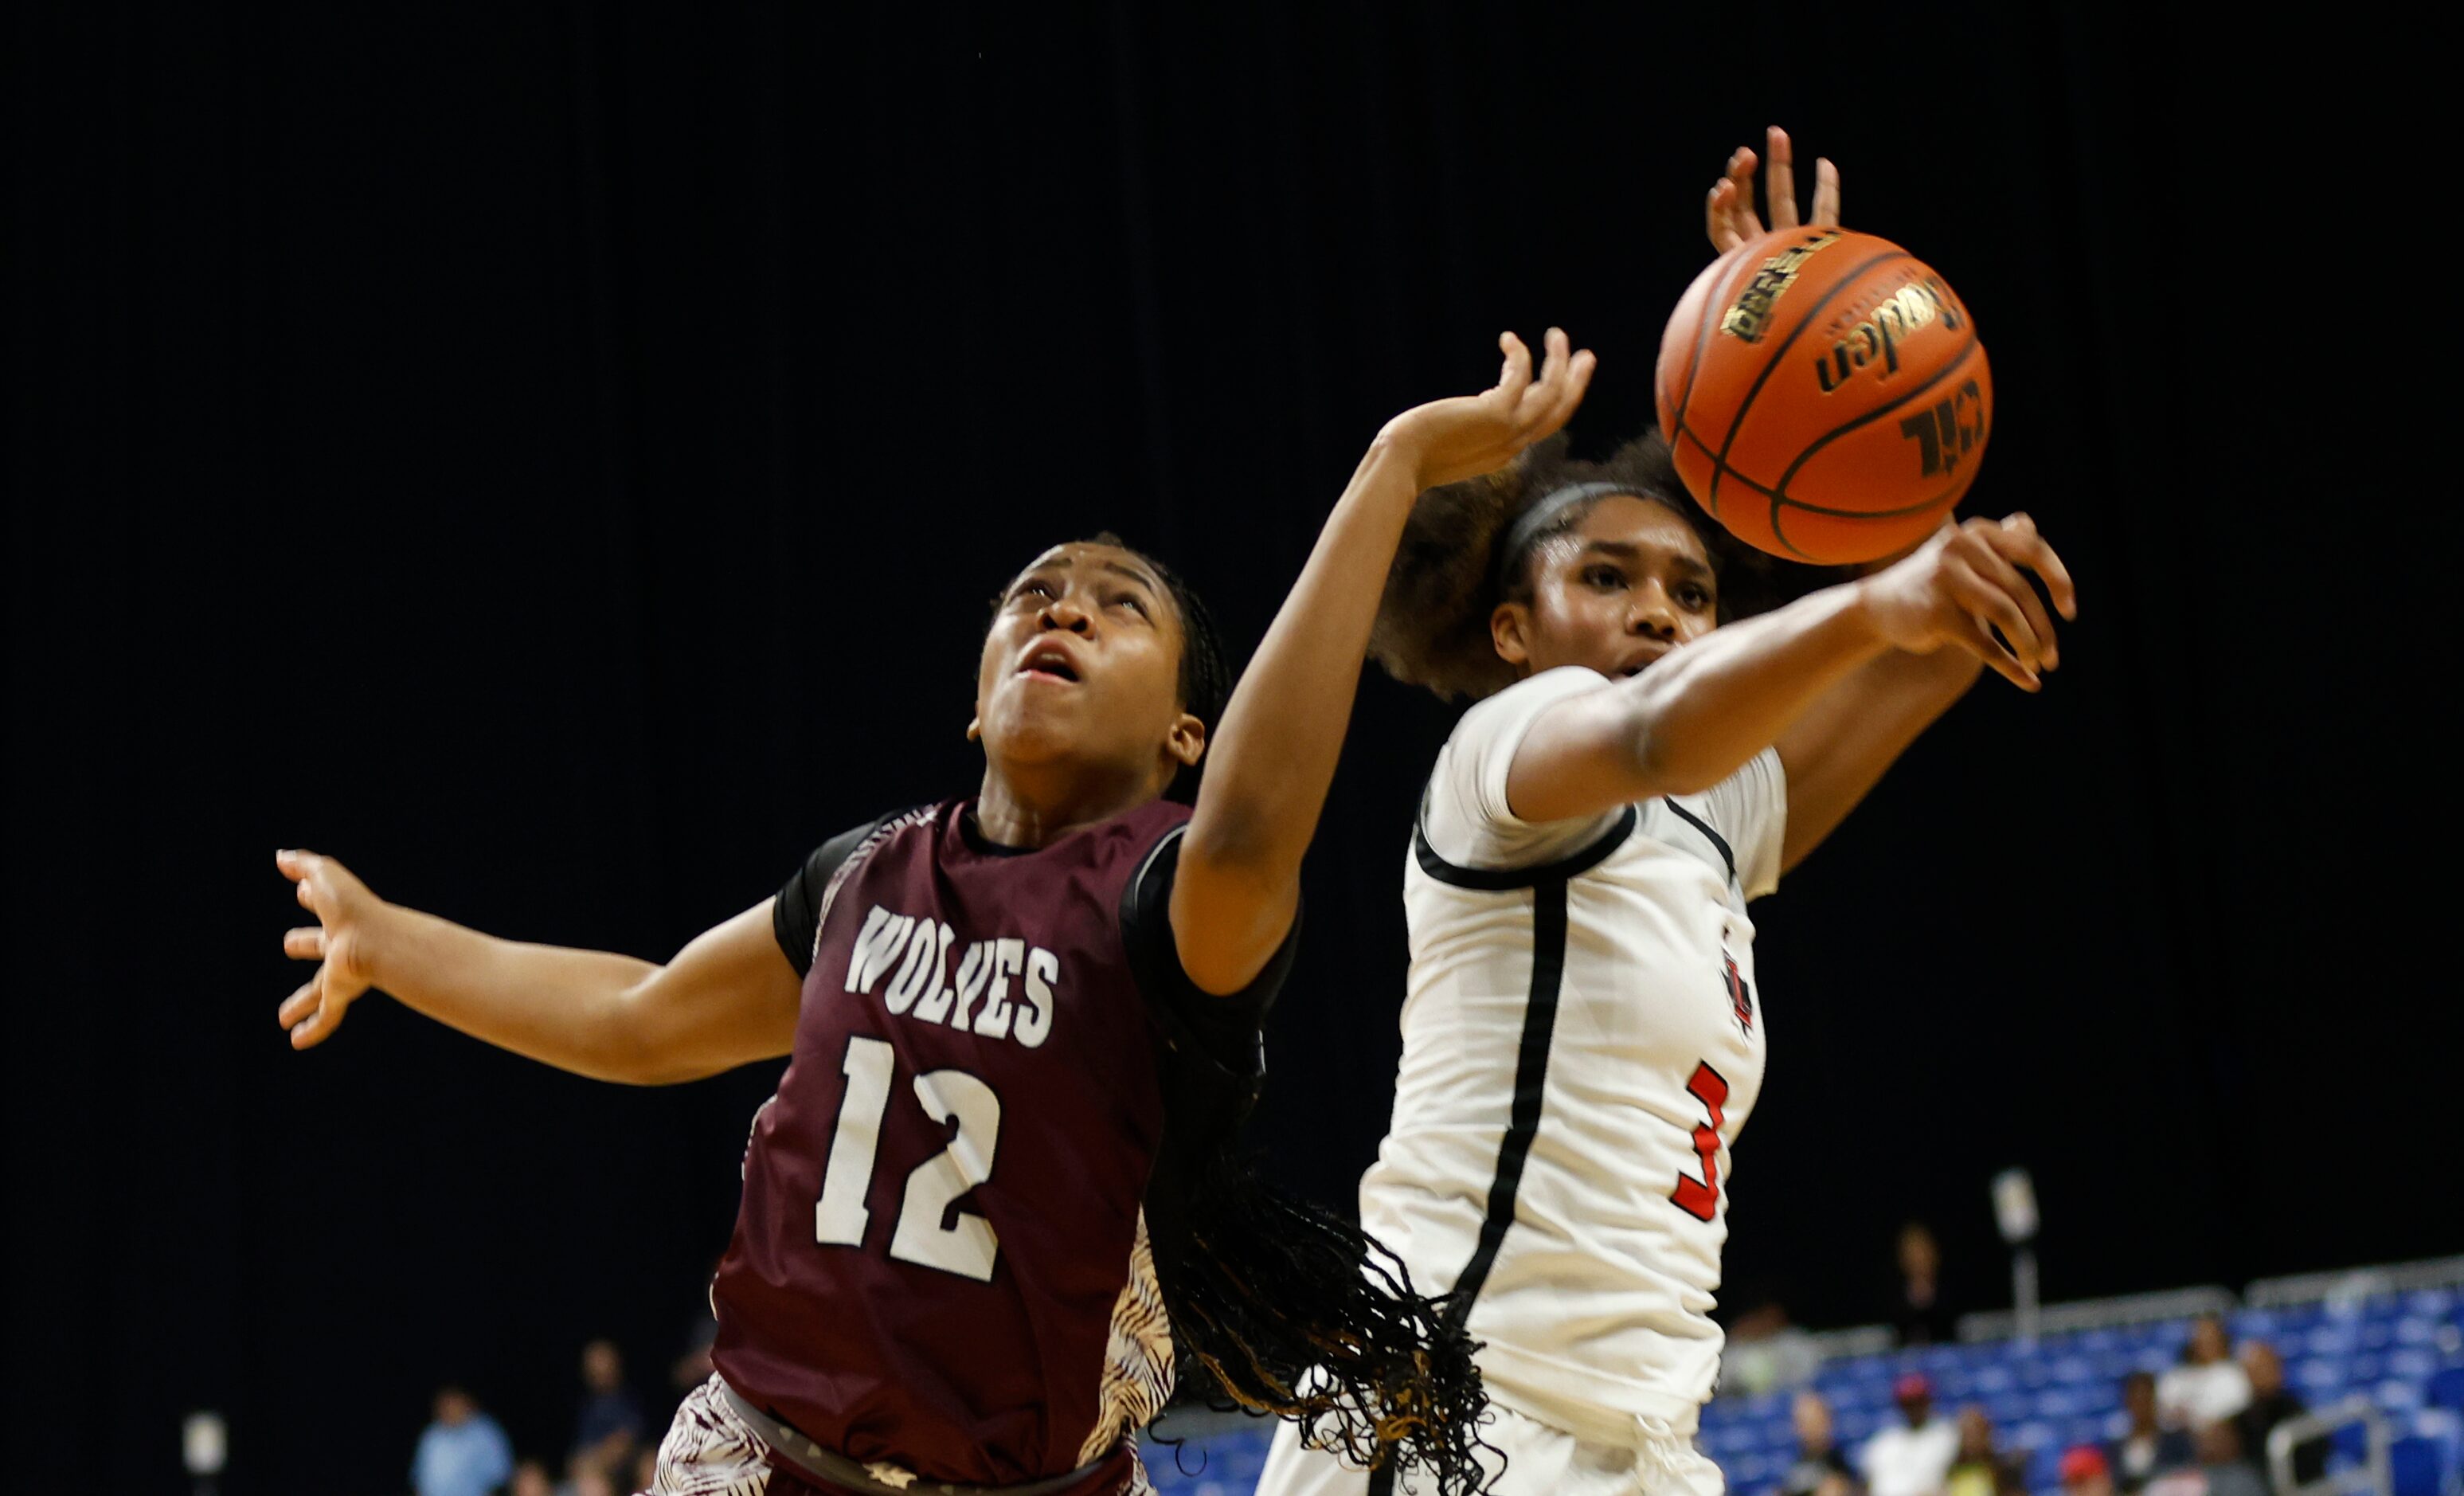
(1879, 336)
(1751, 313)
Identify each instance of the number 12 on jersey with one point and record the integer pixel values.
(1700, 1197)
(968, 1246)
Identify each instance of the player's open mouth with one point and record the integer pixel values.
(1633, 667)
(1051, 663)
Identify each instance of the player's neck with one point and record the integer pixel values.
(1030, 807)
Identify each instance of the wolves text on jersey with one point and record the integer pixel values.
(921, 987)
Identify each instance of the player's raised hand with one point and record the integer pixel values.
(1728, 214)
(337, 942)
(1968, 582)
(1467, 435)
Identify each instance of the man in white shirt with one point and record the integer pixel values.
(1915, 1459)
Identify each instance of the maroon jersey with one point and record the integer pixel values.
(939, 1261)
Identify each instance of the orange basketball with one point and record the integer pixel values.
(1825, 395)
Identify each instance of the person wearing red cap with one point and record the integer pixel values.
(2085, 1473)
(1913, 1459)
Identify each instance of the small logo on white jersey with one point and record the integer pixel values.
(1741, 996)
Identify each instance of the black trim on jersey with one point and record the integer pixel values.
(1530, 1083)
(1221, 1033)
(1703, 826)
(796, 919)
(1496, 879)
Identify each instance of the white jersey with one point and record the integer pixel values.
(1582, 1042)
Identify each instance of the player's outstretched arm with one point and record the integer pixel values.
(727, 999)
(1700, 712)
(1274, 753)
(1843, 745)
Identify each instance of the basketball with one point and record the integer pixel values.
(1825, 395)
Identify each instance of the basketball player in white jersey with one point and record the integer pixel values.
(1582, 1034)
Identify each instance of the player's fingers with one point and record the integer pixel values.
(1979, 641)
(293, 864)
(307, 943)
(1988, 602)
(1779, 180)
(318, 1026)
(2026, 546)
(1569, 396)
(1994, 566)
(1826, 194)
(1516, 375)
(1556, 351)
(301, 1003)
(1741, 185)
(1715, 217)
(1578, 382)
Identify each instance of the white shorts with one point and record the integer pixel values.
(1540, 1461)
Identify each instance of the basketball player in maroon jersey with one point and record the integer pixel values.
(1022, 1024)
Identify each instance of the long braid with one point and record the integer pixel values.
(1296, 1314)
(1291, 1310)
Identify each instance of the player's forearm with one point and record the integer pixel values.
(1700, 714)
(568, 1008)
(1274, 755)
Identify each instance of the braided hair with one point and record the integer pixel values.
(1449, 577)
(1278, 1307)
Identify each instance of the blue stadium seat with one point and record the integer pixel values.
(2419, 1467)
(2397, 1396)
(2447, 1389)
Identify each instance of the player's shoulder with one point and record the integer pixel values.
(1527, 697)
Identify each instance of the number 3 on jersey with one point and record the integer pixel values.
(1700, 1197)
(967, 1248)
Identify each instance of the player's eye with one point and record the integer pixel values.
(1607, 579)
(1133, 602)
(1034, 587)
(1692, 598)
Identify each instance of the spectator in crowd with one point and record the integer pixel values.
(463, 1452)
(1817, 1454)
(2148, 1449)
(2271, 1402)
(2221, 1462)
(1980, 1469)
(1920, 1314)
(609, 1423)
(2209, 1386)
(1913, 1457)
(531, 1478)
(1767, 1353)
(2085, 1473)
(584, 1477)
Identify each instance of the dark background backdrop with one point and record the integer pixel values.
(553, 458)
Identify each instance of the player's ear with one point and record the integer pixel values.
(1185, 742)
(1509, 629)
(974, 729)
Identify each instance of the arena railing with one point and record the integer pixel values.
(2134, 1308)
(2374, 1476)
(2356, 1283)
